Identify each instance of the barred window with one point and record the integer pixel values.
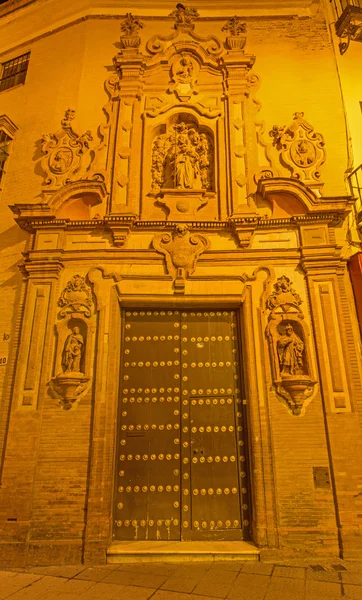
(5, 140)
(14, 71)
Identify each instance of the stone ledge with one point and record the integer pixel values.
(128, 552)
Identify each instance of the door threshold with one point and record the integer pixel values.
(133, 551)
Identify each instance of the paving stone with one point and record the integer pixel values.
(93, 574)
(25, 578)
(139, 579)
(131, 592)
(284, 587)
(258, 568)
(77, 586)
(331, 576)
(154, 568)
(7, 574)
(197, 571)
(227, 565)
(293, 572)
(322, 590)
(39, 589)
(215, 583)
(67, 571)
(180, 584)
(101, 591)
(16, 585)
(163, 595)
(249, 586)
(57, 596)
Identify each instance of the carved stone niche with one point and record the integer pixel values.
(74, 342)
(71, 381)
(288, 337)
(182, 166)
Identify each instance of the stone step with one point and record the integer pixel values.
(129, 551)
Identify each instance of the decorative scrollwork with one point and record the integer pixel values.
(76, 297)
(181, 250)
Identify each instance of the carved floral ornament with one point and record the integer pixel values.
(181, 249)
(289, 347)
(130, 27)
(67, 154)
(301, 148)
(236, 37)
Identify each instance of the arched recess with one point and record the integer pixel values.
(79, 200)
(201, 134)
(290, 197)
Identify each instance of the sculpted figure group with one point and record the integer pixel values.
(182, 159)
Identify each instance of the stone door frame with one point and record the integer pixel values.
(99, 510)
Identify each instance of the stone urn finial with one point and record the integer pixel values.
(129, 32)
(236, 38)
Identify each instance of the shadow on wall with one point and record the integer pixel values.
(10, 238)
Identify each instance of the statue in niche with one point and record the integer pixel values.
(290, 352)
(182, 159)
(73, 351)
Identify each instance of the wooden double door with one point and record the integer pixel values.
(181, 455)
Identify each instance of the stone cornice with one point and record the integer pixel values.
(31, 222)
(27, 20)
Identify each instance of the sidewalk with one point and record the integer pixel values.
(186, 581)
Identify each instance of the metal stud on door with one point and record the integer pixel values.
(148, 479)
(211, 388)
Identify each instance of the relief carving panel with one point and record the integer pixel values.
(181, 250)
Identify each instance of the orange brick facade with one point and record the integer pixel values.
(101, 216)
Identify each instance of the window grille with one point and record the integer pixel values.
(14, 72)
(5, 140)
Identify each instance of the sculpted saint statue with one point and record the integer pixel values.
(182, 159)
(73, 351)
(290, 352)
(185, 163)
